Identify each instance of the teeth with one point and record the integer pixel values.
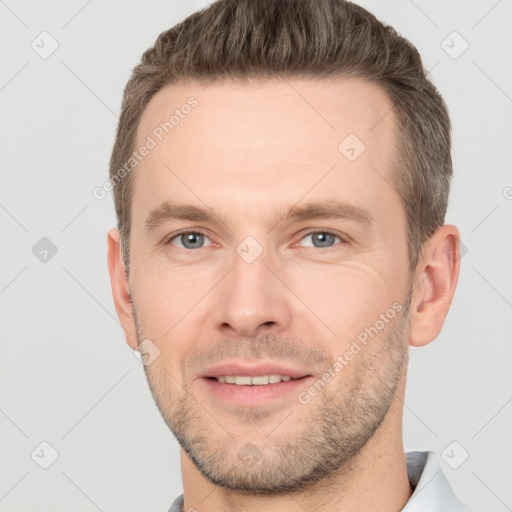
(243, 381)
(261, 380)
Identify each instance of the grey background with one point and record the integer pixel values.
(67, 375)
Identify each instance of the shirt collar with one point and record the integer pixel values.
(432, 491)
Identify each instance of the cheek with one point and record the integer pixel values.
(348, 299)
(167, 295)
(170, 306)
(158, 313)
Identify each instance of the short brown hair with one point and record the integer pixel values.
(245, 39)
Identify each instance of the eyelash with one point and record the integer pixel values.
(199, 232)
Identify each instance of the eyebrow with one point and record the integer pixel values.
(169, 210)
(329, 209)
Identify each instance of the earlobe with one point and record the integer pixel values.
(436, 279)
(120, 288)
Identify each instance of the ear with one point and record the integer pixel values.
(120, 288)
(435, 282)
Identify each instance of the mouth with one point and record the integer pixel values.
(259, 380)
(254, 386)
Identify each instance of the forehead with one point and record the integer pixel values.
(266, 138)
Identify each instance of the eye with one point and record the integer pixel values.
(189, 240)
(321, 239)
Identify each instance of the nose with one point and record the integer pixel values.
(252, 300)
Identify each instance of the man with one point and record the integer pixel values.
(281, 175)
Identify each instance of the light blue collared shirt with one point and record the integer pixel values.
(432, 492)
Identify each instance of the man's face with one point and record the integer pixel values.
(268, 283)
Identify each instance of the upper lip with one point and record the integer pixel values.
(239, 368)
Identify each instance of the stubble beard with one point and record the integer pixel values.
(335, 426)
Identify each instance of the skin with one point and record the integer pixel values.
(250, 151)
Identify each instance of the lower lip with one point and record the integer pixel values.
(255, 395)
